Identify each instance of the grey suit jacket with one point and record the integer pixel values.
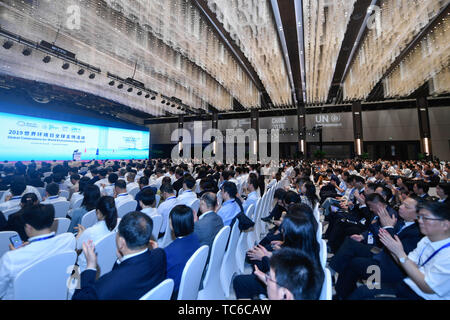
(207, 228)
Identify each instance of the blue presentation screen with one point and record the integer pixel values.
(24, 138)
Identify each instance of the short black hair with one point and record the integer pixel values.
(52, 189)
(182, 218)
(167, 187)
(136, 228)
(189, 181)
(254, 182)
(75, 177)
(144, 181)
(113, 177)
(279, 194)
(39, 216)
(445, 186)
(438, 209)
(121, 184)
(297, 272)
(422, 185)
(292, 197)
(17, 188)
(147, 196)
(375, 197)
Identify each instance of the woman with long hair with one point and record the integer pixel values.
(299, 232)
(309, 196)
(91, 196)
(106, 212)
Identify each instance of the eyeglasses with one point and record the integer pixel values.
(425, 218)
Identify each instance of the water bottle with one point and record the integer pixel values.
(370, 238)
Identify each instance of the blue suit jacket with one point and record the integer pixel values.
(129, 280)
(178, 253)
(390, 270)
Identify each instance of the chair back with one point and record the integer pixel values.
(126, 207)
(212, 288)
(326, 293)
(192, 274)
(60, 225)
(133, 192)
(77, 203)
(61, 208)
(106, 252)
(4, 241)
(162, 291)
(65, 194)
(89, 219)
(41, 191)
(46, 279)
(157, 222)
(10, 211)
(195, 205)
(229, 267)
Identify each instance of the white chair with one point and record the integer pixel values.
(4, 241)
(65, 194)
(126, 207)
(229, 267)
(195, 205)
(89, 219)
(327, 291)
(168, 237)
(11, 211)
(242, 245)
(192, 274)
(317, 212)
(77, 203)
(61, 208)
(106, 253)
(162, 291)
(60, 225)
(212, 288)
(157, 222)
(133, 192)
(46, 279)
(42, 191)
(323, 252)
(251, 238)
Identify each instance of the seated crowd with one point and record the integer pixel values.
(376, 214)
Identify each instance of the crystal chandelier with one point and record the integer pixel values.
(325, 24)
(429, 59)
(252, 28)
(394, 26)
(440, 83)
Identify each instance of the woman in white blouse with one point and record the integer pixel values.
(106, 223)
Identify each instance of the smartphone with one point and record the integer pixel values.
(16, 241)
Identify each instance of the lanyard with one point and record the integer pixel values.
(40, 239)
(122, 195)
(170, 198)
(434, 253)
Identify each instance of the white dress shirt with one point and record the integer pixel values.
(29, 189)
(12, 262)
(252, 198)
(104, 181)
(132, 185)
(150, 212)
(53, 199)
(94, 233)
(12, 203)
(164, 210)
(187, 197)
(436, 270)
(123, 198)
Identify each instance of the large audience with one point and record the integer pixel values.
(391, 215)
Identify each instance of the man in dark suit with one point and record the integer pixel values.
(353, 258)
(177, 185)
(143, 184)
(209, 222)
(137, 271)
